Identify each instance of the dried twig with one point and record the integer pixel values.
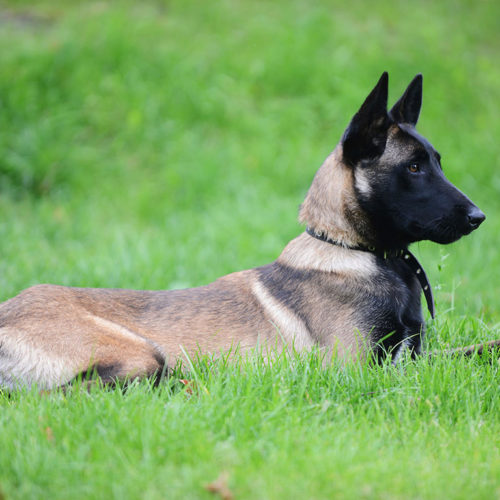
(469, 350)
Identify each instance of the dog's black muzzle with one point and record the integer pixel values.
(459, 215)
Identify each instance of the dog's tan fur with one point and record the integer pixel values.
(49, 334)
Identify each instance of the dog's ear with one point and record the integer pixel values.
(407, 109)
(366, 135)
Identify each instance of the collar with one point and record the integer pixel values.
(399, 253)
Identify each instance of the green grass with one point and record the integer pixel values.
(164, 144)
(293, 430)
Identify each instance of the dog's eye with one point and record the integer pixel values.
(414, 168)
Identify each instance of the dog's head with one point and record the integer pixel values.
(398, 178)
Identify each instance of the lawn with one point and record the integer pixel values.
(163, 144)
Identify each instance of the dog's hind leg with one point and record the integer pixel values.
(50, 334)
(26, 361)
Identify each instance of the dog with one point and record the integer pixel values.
(348, 284)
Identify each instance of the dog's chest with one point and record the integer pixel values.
(339, 308)
(400, 319)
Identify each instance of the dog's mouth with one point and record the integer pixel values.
(448, 229)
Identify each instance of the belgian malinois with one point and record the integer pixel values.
(348, 284)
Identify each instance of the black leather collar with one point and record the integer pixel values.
(400, 253)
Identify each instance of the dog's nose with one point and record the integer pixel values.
(475, 217)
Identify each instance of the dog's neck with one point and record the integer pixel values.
(331, 207)
(305, 252)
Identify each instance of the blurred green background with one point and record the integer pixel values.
(163, 144)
